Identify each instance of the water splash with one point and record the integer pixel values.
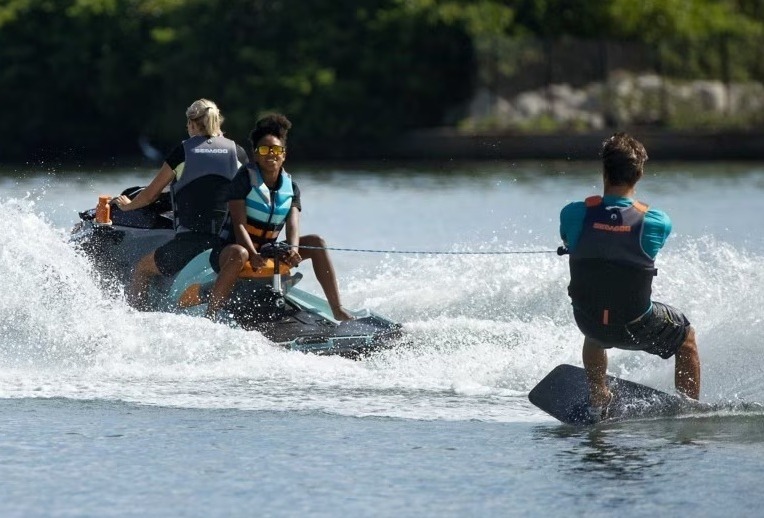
(481, 332)
(515, 312)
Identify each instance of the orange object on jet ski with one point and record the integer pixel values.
(196, 294)
(103, 210)
(263, 272)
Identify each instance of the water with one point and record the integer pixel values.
(106, 411)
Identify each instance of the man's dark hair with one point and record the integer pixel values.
(623, 159)
(272, 124)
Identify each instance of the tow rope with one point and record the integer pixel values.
(560, 251)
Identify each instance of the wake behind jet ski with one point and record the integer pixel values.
(265, 300)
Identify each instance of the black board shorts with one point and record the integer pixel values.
(171, 257)
(215, 255)
(660, 331)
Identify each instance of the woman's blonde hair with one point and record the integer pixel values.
(207, 116)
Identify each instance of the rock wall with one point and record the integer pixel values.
(626, 99)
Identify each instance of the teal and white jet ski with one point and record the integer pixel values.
(265, 300)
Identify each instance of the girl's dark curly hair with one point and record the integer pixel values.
(274, 124)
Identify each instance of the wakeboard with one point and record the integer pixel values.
(564, 394)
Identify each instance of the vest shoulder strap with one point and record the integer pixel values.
(641, 207)
(593, 201)
(255, 182)
(252, 174)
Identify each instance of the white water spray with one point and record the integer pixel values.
(482, 331)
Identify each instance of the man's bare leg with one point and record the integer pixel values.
(595, 363)
(687, 367)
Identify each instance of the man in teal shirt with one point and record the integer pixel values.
(613, 241)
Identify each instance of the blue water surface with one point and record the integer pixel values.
(106, 411)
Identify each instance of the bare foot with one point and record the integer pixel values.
(600, 409)
(601, 398)
(341, 314)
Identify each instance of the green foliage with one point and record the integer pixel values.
(555, 18)
(693, 38)
(480, 18)
(89, 75)
(93, 73)
(12, 10)
(657, 20)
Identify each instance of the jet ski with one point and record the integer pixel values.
(265, 300)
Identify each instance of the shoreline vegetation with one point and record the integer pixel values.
(386, 79)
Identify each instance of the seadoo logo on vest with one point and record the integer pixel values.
(612, 228)
(208, 150)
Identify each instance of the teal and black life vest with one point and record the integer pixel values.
(610, 274)
(200, 193)
(267, 209)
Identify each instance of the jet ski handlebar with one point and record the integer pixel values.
(276, 251)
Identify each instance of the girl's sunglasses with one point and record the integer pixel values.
(276, 150)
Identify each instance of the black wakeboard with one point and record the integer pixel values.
(564, 394)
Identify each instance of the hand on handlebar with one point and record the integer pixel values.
(256, 261)
(122, 201)
(293, 258)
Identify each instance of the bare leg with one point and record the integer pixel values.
(687, 367)
(232, 260)
(144, 271)
(595, 363)
(322, 267)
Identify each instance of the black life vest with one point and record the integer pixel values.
(610, 274)
(200, 194)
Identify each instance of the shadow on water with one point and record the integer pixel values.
(637, 450)
(648, 466)
(603, 451)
